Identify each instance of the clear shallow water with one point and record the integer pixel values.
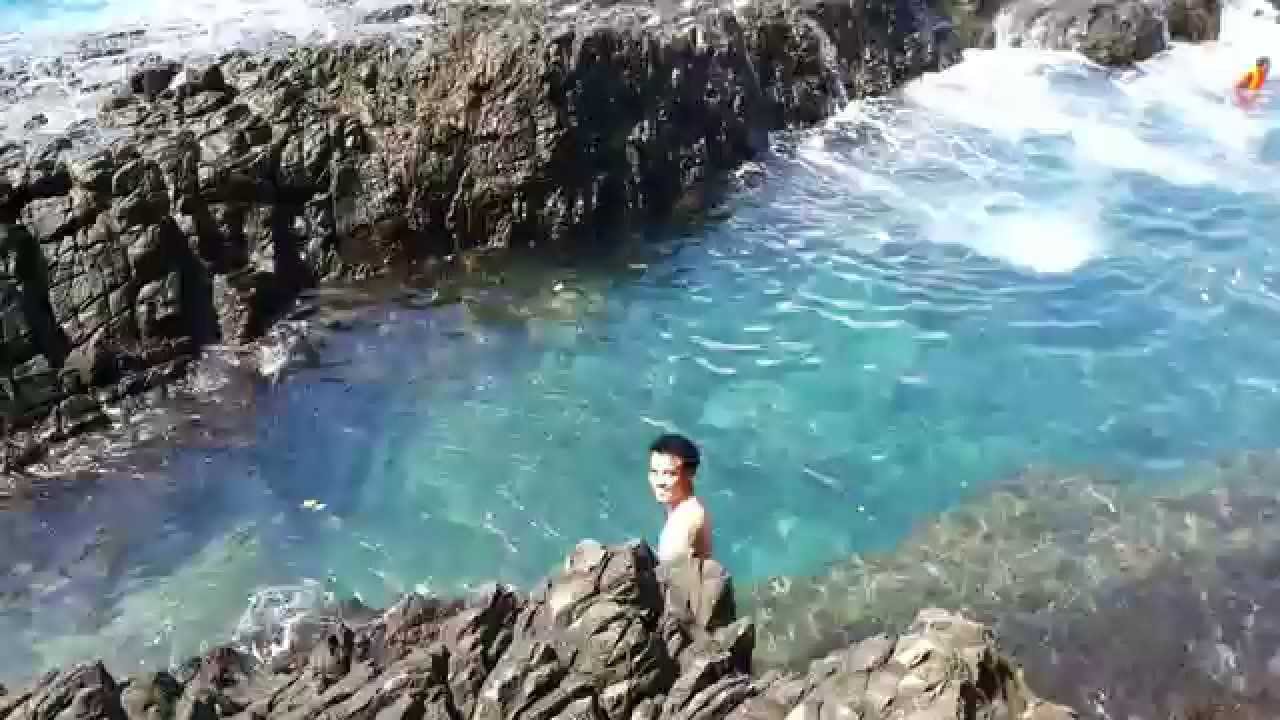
(1023, 259)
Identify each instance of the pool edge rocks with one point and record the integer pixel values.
(228, 190)
(610, 636)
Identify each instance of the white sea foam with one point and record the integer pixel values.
(965, 136)
(54, 68)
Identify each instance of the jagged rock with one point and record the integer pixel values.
(86, 692)
(589, 642)
(151, 697)
(1195, 20)
(1109, 32)
(221, 685)
(392, 14)
(151, 81)
(240, 183)
(109, 44)
(712, 607)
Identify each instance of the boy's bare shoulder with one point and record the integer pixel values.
(696, 510)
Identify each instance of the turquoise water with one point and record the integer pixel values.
(1064, 267)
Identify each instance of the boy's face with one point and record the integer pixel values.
(667, 478)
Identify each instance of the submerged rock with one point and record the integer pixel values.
(611, 636)
(226, 190)
(1073, 572)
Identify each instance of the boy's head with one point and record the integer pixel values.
(673, 461)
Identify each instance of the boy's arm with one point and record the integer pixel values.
(699, 532)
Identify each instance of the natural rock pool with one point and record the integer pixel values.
(1023, 259)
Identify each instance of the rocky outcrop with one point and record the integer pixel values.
(204, 199)
(1195, 20)
(1109, 32)
(611, 636)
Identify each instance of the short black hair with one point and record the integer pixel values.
(1264, 60)
(679, 446)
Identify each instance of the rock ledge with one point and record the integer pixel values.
(610, 637)
(205, 199)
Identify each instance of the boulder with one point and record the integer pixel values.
(233, 187)
(601, 639)
(1108, 32)
(1195, 20)
(86, 691)
(391, 14)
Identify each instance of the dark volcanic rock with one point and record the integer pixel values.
(392, 14)
(238, 185)
(1109, 32)
(86, 691)
(599, 640)
(151, 81)
(1195, 20)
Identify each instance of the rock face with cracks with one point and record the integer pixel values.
(203, 200)
(612, 636)
(1109, 32)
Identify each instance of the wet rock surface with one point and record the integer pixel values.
(1109, 32)
(1195, 20)
(610, 636)
(204, 199)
